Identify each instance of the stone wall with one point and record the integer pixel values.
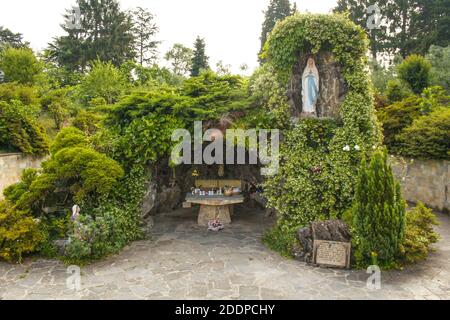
(11, 167)
(424, 180)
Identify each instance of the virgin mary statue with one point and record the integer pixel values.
(310, 85)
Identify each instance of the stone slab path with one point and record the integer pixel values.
(184, 261)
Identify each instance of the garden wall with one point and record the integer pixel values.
(11, 167)
(424, 180)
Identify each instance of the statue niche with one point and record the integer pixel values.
(317, 87)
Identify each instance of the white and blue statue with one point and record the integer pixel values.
(310, 85)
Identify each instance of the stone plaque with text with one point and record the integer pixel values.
(332, 253)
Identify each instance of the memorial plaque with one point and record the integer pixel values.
(332, 253)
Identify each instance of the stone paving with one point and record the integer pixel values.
(184, 261)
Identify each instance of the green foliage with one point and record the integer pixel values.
(75, 167)
(15, 191)
(399, 116)
(10, 39)
(419, 234)
(19, 233)
(68, 138)
(144, 30)
(378, 213)
(315, 179)
(180, 57)
(147, 139)
(206, 97)
(415, 70)
(270, 96)
(103, 81)
(105, 34)
(114, 223)
(440, 70)
(281, 239)
(88, 121)
(20, 65)
(319, 157)
(381, 76)
(199, 58)
(397, 90)
(14, 91)
(20, 130)
(428, 137)
(277, 11)
(407, 20)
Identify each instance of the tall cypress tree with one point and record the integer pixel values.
(277, 10)
(200, 59)
(378, 212)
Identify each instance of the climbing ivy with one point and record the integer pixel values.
(320, 157)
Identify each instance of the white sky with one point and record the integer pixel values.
(231, 27)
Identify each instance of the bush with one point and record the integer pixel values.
(88, 122)
(103, 81)
(419, 234)
(20, 65)
(13, 91)
(415, 70)
(397, 117)
(397, 90)
(69, 137)
(378, 213)
(281, 240)
(107, 228)
(428, 137)
(75, 167)
(20, 130)
(19, 233)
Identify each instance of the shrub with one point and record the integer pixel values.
(378, 213)
(415, 70)
(281, 240)
(20, 130)
(114, 223)
(428, 137)
(103, 81)
(20, 65)
(397, 117)
(75, 167)
(13, 91)
(69, 137)
(419, 234)
(397, 90)
(19, 233)
(88, 121)
(15, 191)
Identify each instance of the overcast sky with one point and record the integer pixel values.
(231, 27)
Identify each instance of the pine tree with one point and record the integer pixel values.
(104, 33)
(378, 213)
(144, 29)
(10, 39)
(199, 60)
(277, 10)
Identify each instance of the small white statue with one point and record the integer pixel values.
(75, 212)
(310, 87)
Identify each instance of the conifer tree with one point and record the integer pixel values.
(277, 10)
(378, 213)
(199, 60)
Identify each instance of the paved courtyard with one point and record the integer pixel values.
(184, 261)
